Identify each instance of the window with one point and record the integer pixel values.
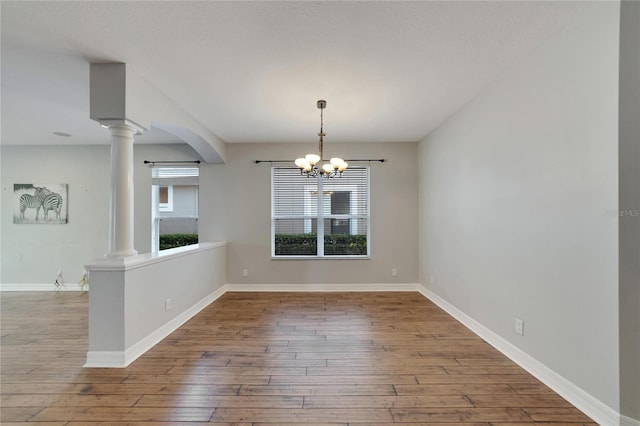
(319, 217)
(174, 207)
(165, 198)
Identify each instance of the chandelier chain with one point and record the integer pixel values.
(313, 165)
(321, 134)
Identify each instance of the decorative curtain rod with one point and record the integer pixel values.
(172, 162)
(380, 160)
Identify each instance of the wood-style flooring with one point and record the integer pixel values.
(271, 358)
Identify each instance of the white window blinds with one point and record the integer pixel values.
(166, 175)
(319, 216)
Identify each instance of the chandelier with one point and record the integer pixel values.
(312, 164)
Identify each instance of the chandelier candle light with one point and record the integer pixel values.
(311, 165)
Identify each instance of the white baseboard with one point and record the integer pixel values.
(111, 359)
(584, 401)
(105, 359)
(41, 287)
(628, 421)
(322, 287)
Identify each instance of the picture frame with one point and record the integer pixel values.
(40, 203)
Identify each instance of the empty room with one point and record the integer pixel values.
(320, 212)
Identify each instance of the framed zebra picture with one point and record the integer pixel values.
(40, 203)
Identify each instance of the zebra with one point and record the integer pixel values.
(52, 201)
(33, 201)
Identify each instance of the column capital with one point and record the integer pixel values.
(119, 123)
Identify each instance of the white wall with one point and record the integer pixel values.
(234, 206)
(629, 174)
(513, 194)
(33, 254)
(237, 208)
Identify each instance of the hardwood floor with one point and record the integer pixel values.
(271, 358)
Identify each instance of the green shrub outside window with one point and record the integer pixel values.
(168, 241)
(307, 244)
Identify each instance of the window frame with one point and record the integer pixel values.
(169, 176)
(325, 185)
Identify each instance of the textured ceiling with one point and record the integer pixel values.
(252, 71)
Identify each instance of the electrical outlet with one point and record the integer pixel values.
(519, 326)
(431, 279)
(394, 272)
(167, 304)
(245, 272)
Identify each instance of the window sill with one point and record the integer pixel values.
(366, 257)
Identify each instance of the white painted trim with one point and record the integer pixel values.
(584, 401)
(323, 287)
(111, 359)
(105, 359)
(628, 421)
(132, 262)
(41, 287)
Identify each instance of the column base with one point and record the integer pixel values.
(121, 253)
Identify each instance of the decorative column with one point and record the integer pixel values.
(121, 206)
